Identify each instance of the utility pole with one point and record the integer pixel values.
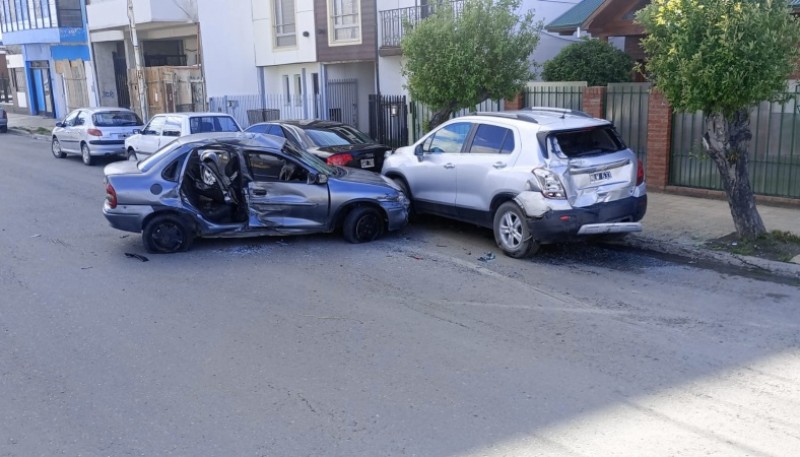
(138, 63)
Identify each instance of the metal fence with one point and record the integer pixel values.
(567, 95)
(626, 105)
(388, 120)
(5, 90)
(774, 165)
(251, 109)
(421, 115)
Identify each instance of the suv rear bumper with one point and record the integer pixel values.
(615, 217)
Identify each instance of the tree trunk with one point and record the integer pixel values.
(440, 116)
(726, 141)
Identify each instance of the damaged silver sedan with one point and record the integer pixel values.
(240, 184)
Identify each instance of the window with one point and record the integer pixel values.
(212, 124)
(155, 126)
(82, 118)
(576, 143)
(287, 91)
(298, 90)
(70, 119)
(115, 119)
(257, 128)
(345, 21)
(277, 131)
(491, 139)
(265, 167)
(172, 126)
(283, 12)
(448, 139)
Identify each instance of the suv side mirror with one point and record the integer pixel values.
(418, 152)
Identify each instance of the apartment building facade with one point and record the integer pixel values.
(49, 59)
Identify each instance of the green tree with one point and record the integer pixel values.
(459, 57)
(594, 61)
(722, 57)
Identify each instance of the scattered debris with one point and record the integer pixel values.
(123, 237)
(86, 268)
(38, 235)
(416, 257)
(489, 256)
(131, 255)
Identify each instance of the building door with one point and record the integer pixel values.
(342, 97)
(41, 92)
(121, 77)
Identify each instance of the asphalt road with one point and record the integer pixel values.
(410, 345)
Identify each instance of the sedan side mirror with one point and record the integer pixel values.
(418, 152)
(59, 124)
(322, 178)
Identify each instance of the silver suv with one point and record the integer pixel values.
(534, 176)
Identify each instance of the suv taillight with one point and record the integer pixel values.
(639, 173)
(339, 160)
(550, 183)
(111, 196)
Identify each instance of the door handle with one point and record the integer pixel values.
(259, 191)
(499, 165)
(449, 165)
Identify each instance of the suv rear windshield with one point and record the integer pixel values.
(584, 142)
(115, 119)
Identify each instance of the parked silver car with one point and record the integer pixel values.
(245, 184)
(535, 176)
(93, 132)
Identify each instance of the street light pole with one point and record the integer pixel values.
(138, 63)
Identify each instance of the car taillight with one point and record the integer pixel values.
(94, 132)
(639, 173)
(549, 183)
(111, 196)
(339, 160)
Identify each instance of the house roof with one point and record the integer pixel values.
(576, 16)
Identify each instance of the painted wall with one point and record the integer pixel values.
(107, 14)
(392, 81)
(263, 26)
(104, 65)
(227, 47)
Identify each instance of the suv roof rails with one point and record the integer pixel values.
(554, 111)
(507, 115)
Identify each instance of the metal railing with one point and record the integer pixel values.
(395, 23)
(252, 109)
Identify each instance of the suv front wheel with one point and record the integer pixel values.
(511, 232)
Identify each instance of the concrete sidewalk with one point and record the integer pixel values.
(22, 123)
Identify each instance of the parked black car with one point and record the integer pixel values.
(336, 143)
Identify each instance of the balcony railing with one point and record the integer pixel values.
(395, 23)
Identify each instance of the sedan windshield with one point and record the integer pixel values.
(309, 159)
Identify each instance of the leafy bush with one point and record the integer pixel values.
(594, 61)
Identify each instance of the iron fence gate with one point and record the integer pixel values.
(388, 120)
(626, 106)
(567, 95)
(774, 166)
(342, 98)
(5, 90)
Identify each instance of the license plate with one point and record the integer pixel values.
(122, 136)
(602, 176)
(367, 163)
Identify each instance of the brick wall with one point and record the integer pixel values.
(515, 103)
(593, 99)
(659, 138)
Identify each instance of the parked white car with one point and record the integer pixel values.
(536, 176)
(163, 129)
(94, 132)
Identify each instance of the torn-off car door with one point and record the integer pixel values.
(281, 196)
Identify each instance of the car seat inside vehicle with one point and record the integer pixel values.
(213, 185)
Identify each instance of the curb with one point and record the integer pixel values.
(781, 269)
(23, 132)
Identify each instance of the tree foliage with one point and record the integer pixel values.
(722, 57)
(459, 57)
(594, 61)
(719, 56)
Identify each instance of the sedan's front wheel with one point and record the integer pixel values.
(166, 234)
(56, 148)
(362, 224)
(511, 232)
(131, 155)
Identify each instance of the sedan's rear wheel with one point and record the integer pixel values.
(86, 155)
(56, 148)
(166, 234)
(511, 232)
(362, 224)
